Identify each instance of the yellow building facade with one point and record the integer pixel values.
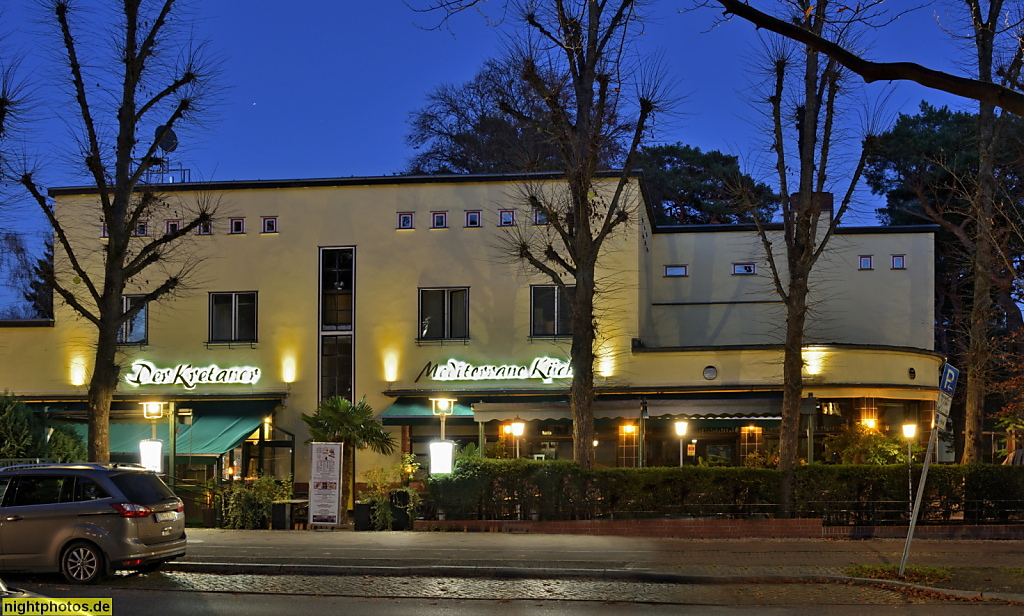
(402, 290)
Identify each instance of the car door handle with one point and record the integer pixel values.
(13, 518)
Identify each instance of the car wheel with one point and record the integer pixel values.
(82, 563)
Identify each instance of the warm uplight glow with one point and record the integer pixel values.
(77, 371)
(606, 364)
(909, 430)
(751, 430)
(814, 360)
(391, 366)
(507, 429)
(629, 429)
(870, 423)
(681, 428)
(518, 428)
(288, 369)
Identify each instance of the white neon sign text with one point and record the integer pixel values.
(146, 373)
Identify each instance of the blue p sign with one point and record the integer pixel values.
(947, 382)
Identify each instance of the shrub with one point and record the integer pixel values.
(247, 505)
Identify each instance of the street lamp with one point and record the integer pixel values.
(518, 428)
(909, 431)
(681, 432)
(442, 407)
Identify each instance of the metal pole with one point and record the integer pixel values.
(680, 452)
(932, 442)
(442, 426)
(910, 480)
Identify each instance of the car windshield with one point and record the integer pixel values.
(142, 488)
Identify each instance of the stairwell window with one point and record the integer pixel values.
(233, 317)
(134, 330)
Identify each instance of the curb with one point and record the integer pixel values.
(624, 575)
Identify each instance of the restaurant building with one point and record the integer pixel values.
(400, 289)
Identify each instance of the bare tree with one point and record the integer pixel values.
(804, 93)
(145, 87)
(572, 60)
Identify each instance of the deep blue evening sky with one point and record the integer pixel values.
(324, 88)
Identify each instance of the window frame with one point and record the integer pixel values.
(744, 268)
(234, 325)
(236, 221)
(510, 221)
(268, 224)
(865, 262)
(559, 304)
(205, 228)
(449, 316)
(439, 220)
(172, 222)
(336, 273)
(141, 229)
(405, 216)
(479, 219)
(540, 217)
(682, 269)
(902, 262)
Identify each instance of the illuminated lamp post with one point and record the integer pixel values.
(518, 428)
(909, 432)
(442, 452)
(681, 432)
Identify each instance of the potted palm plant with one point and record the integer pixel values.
(337, 420)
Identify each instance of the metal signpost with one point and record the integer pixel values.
(947, 386)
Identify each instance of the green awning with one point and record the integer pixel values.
(210, 435)
(407, 408)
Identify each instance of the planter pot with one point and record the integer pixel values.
(361, 517)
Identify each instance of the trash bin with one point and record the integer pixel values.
(281, 515)
(361, 517)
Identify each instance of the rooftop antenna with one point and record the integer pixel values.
(167, 141)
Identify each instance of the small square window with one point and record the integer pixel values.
(865, 262)
(676, 271)
(270, 224)
(406, 220)
(171, 227)
(439, 220)
(204, 228)
(142, 228)
(899, 261)
(506, 218)
(744, 269)
(473, 219)
(236, 226)
(540, 217)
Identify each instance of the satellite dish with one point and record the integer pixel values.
(169, 141)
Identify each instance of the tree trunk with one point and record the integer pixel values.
(581, 391)
(792, 390)
(102, 386)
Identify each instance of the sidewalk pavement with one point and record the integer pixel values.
(509, 555)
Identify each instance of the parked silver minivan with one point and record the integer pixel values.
(87, 520)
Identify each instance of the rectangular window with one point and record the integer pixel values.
(899, 261)
(406, 220)
(336, 366)
(233, 317)
(171, 227)
(473, 219)
(540, 217)
(103, 230)
(549, 311)
(142, 228)
(439, 220)
(672, 271)
(269, 224)
(205, 228)
(744, 269)
(865, 262)
(444, 313)
(506, 218)
(134, 330)
(336, 288)
(236, 226)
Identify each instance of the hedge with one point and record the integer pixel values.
(491, 489)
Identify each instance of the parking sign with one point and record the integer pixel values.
(947, 382)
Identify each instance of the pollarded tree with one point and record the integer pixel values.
(130, 87)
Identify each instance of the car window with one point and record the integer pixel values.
(42, 490)
(142, 488)
(4, 482)
(87, 490)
